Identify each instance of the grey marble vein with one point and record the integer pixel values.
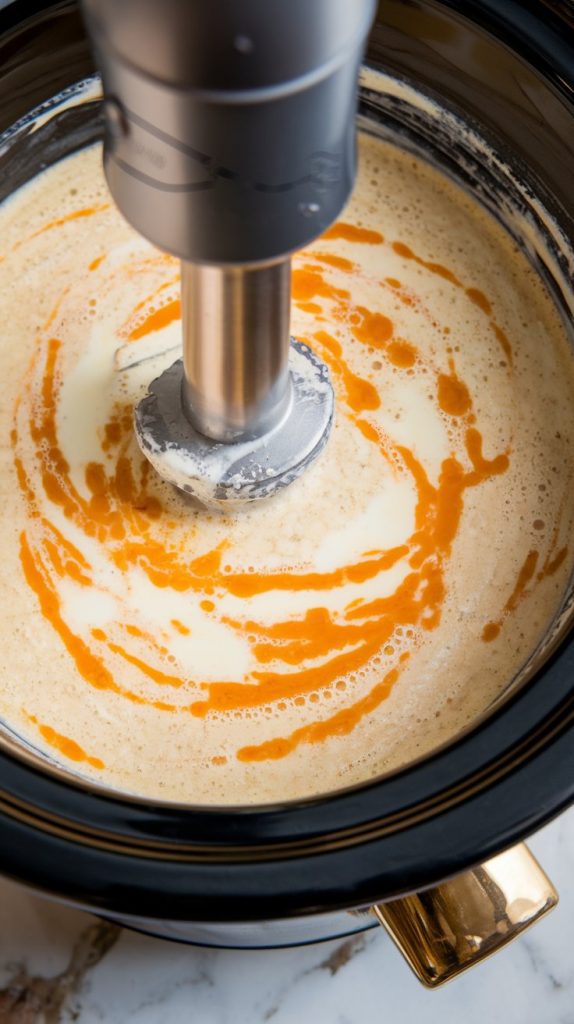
(32, 999)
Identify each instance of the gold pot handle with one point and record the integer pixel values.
(443, 931)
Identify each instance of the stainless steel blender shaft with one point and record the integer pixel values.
(235, 347)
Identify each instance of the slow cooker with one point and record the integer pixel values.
(485, 90)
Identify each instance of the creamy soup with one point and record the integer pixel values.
(363, 616)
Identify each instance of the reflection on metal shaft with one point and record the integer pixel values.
(235, 347)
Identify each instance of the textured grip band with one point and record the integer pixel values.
(229, 126)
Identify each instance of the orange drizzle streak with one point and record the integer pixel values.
(147, 305)
(90, 667)
(162, 678)
(69, 748)
(352, 233)
(308, 283)
(310, 307)
(157, 320)
(479, 299)
(524, 576)
(339, 724)
(504, 342)
(402, 354)
(552, 565)
(435, 268)
(491, 631)
(453, 395)
(179, 626)
(320, 648)
(527, 570)
(474, 294)
(359, 394)
(339, 262)
(372, 329)
(87, 211)
(484, 467)
(249, 584)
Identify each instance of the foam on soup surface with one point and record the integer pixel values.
(362, 617)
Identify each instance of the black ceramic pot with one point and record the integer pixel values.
(312, 869)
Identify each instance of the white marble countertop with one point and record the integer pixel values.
(61, 965)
